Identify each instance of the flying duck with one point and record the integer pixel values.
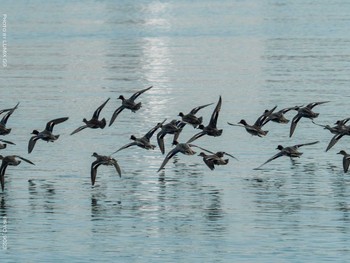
(143, 142)
(191, 118)
(3, 129)
(184, 148)
(128, 104)
(346, 160)
(94, 123)
(174, 127)
(211, 129)
(103, 160)
(291, 151)
(304, 112)
(9, 160)
(256, 128)
(46, 134)
(215, 159)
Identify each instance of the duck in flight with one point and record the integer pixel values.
(3, 129)
(278, 116)
(12, 161)
(128, 104)
(184, 148)
(94, 123)
(215, 159)
(346, 160)
(103, 160)
(304, 112)
(256, 128)
(45, 135)
(211, 129)
(174, 127)
(339, 130)
(191, 118)
(143, 142)
(291, 151)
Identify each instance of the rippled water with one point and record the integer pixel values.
(66, 58)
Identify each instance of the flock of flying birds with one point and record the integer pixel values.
(174, 127)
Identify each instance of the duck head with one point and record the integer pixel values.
(36, 132)
(181, 114)
(242, 122)
(132, 137)
(200, 126)
(94, 154)
(279, 147)
(342, 152)
(121, 97)
(202, 154)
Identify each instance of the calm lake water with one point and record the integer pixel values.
(65, 58)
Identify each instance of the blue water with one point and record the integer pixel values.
(66, 57)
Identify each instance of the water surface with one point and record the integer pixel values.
(66, 58)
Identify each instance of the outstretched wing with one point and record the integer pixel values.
(135, 95)
(150, 133)
(277, 155)
(221, 154)
(52, 123)
(125, 146)
(8, 142)
(285, 110)
(2, 174)
(32, 142)
(79, 129)
(168, 157)
(195, 110)
(215, 114)
(261, 120)
(7, 116)
(24, 159)
(99, 109)
(94, 167)
(117, 167)
(313, 104)
(295, 121)
(196, 136)
(115, 114)
(310, 143)
(334, 140)
(160, 140)
(346, 163)
(209, 162)
(192, 145)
